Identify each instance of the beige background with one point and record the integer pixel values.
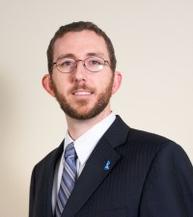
(154, 46)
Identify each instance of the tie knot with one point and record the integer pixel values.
(70, 151)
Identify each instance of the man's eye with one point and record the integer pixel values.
(66, 63)
(94, 62)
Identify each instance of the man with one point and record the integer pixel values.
(103, 168)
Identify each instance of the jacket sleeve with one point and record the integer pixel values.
(168, 189)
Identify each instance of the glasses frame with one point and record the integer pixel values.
(106, 62)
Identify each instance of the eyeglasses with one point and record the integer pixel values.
(92, 64)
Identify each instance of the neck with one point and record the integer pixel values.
(76, 128)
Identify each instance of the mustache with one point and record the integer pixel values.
(82, 87)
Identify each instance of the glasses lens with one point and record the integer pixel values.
(94, 64)
(65, 64)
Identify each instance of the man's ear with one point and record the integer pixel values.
(48, 84)
(117, 81)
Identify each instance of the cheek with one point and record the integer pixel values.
(101, 80)
(61, 83)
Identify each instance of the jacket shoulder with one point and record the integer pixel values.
(145, 145)
(143, 137)
(51, 156)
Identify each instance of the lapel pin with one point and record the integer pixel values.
(107, 165)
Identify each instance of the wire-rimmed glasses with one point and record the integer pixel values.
(92, 64)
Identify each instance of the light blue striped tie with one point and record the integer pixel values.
(68, 179)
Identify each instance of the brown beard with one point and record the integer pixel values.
(101, 103)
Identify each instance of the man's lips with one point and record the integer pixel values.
(82, 92)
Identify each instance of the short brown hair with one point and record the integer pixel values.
(78, 27)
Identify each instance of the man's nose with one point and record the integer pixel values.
(80, 71)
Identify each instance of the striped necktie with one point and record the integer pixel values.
(68, 179)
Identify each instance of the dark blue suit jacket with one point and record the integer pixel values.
(130, 173)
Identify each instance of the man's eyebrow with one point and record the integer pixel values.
(95, 54)
(70, 55)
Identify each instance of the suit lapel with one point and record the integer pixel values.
(49, 173)
(96, 169)
(98, 166)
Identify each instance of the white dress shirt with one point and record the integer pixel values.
(84, 146)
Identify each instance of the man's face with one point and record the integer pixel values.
(82, 94)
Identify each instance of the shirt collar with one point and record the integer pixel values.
(85, 144)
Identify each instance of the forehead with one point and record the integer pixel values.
(80, 44)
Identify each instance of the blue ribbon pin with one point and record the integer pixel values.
(107, 165)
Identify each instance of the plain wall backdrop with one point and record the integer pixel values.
(153, 41)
